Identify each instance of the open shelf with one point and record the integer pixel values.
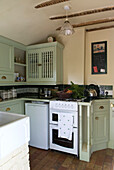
(20, 64)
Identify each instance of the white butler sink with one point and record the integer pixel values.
(14, 132)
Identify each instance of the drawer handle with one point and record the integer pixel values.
(8, 109)
(3, 77)
(96, 118)
(101, 107)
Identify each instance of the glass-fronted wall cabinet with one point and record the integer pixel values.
(19, 65)
(45, 63)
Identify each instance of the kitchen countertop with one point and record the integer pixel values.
(87, 101)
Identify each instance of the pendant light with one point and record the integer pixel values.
(67, 28)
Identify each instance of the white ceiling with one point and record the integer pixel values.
(20, 21)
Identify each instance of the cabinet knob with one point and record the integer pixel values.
(8, 109)
(3, 77)
(111, 105)
(96, 118)
(39, 64)
(101, 107)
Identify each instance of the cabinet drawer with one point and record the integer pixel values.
(12, 108)
(6, 77)
(101, 107)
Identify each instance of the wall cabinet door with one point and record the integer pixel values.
(6, 58)
(100, 128)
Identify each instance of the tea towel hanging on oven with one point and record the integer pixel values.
(65, 125)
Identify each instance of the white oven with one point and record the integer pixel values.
(58, 143)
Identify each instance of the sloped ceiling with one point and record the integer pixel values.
(20, 21)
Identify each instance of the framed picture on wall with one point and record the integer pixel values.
(99, 57)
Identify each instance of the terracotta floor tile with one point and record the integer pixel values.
(105, 167)
(90, 165)
(97, 167)
(67, 162)
(99, 162)
(63, 168)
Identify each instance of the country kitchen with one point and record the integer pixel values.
(56, 85)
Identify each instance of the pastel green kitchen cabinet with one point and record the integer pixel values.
(100, 128)
(6, 63)
(13, 107)
(94, 127)
(101, 116)
(45, 63)
(6, 58)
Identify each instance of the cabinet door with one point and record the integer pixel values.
(48, 67)
(100, 128)
(34, 64)
(6, 58)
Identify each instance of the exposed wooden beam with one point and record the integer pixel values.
(48, 3)
(105, 20)
(99, 28)
(93, 11)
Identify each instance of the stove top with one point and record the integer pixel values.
(69, 99)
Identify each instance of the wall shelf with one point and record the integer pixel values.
(20, 64)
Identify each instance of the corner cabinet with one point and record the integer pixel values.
(6, 63)
(45, 63)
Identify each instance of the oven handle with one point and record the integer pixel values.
(73, 120)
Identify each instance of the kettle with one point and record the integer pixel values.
(92, 92)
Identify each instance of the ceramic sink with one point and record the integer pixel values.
(14, 132)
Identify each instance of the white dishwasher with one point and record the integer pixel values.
(39, 122)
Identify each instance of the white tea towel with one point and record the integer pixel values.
(65, 124)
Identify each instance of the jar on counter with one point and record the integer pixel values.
(4, 94)
(14, 93)
(9, 94)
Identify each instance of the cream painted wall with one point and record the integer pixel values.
(73, 57)
(102, 35)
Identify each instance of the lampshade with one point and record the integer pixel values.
(67, 28)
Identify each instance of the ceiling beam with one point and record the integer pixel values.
(101, 21)
(93, 11)
(100, 28)
(48, 3)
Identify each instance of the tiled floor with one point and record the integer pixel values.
(54, 160)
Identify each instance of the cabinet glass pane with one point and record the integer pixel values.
(33, 65)
(47, 64)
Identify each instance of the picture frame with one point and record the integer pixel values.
(99, 57)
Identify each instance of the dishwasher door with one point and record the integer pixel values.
(39, 124)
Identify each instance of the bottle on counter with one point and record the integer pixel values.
(14, 92)
(9, 94)
(4, 95)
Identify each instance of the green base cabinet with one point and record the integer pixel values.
(13, 107)
(94, 127)
(45, 63)
(100, 125)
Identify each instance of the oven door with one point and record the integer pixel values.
(53, 119)
(62, 144)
